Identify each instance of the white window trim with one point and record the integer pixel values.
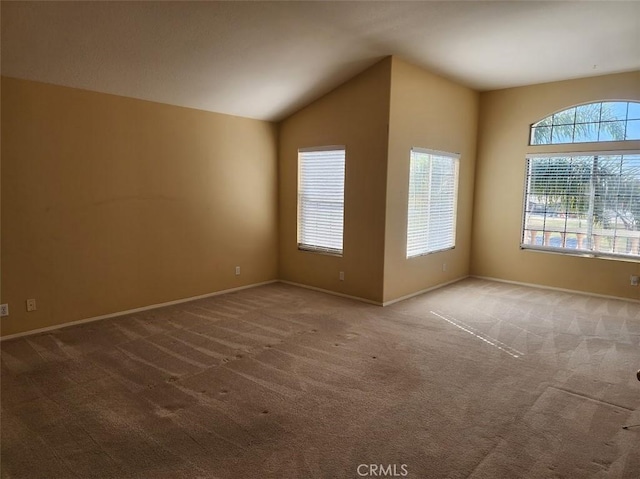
(417, 149)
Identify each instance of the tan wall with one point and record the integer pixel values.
(430, 112)
(110, 203)
(505, 117)
(356, 115)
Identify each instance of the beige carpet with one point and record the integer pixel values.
(478, 379)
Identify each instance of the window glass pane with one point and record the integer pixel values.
(633, 130)
(588, 113)
(541, 135)
(585, 132)
(562, 134)
(634, 111)
(611, 131)
(565, 117)
(614, 111)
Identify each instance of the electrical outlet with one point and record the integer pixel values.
(4, 310)
(444, 266)
(237, 270)
(634, 280)
(31, 305)
(341, 275)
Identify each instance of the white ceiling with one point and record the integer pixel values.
(267, 59)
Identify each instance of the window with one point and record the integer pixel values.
(583, 203)
(321, 199)
(433, 191)
(602, 121)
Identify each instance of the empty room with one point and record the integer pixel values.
(320, 239)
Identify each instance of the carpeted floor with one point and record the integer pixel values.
(477, 379)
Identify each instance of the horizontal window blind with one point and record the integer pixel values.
(583, 203)
(321, 199)
(433, 191)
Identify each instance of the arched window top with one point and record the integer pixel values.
(592, 122)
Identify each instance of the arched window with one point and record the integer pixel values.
(593, 122)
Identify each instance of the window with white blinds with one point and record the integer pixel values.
(321, 199)
(433, 194)
(583, 203)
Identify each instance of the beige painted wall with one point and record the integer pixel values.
(427, 111)
(505, 117)
(111, 203)
(356, 115)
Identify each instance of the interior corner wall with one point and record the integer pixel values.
(505, 118)
(111, 203)
(356, 115)
(431, 112)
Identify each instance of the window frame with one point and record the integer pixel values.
(455, 158)
(318, 248)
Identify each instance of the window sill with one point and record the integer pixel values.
(321, 251)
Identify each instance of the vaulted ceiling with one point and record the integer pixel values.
(267, 59)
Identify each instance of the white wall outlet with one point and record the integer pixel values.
(4, 310)
(634, 280)
(237, 270)
(444, 266)
(31, 305)
(341, 275)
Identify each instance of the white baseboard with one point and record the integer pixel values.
(422, 291)
(553, 288)
(369, 301)
(131, 311)
(335, 293)
(363, 300)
